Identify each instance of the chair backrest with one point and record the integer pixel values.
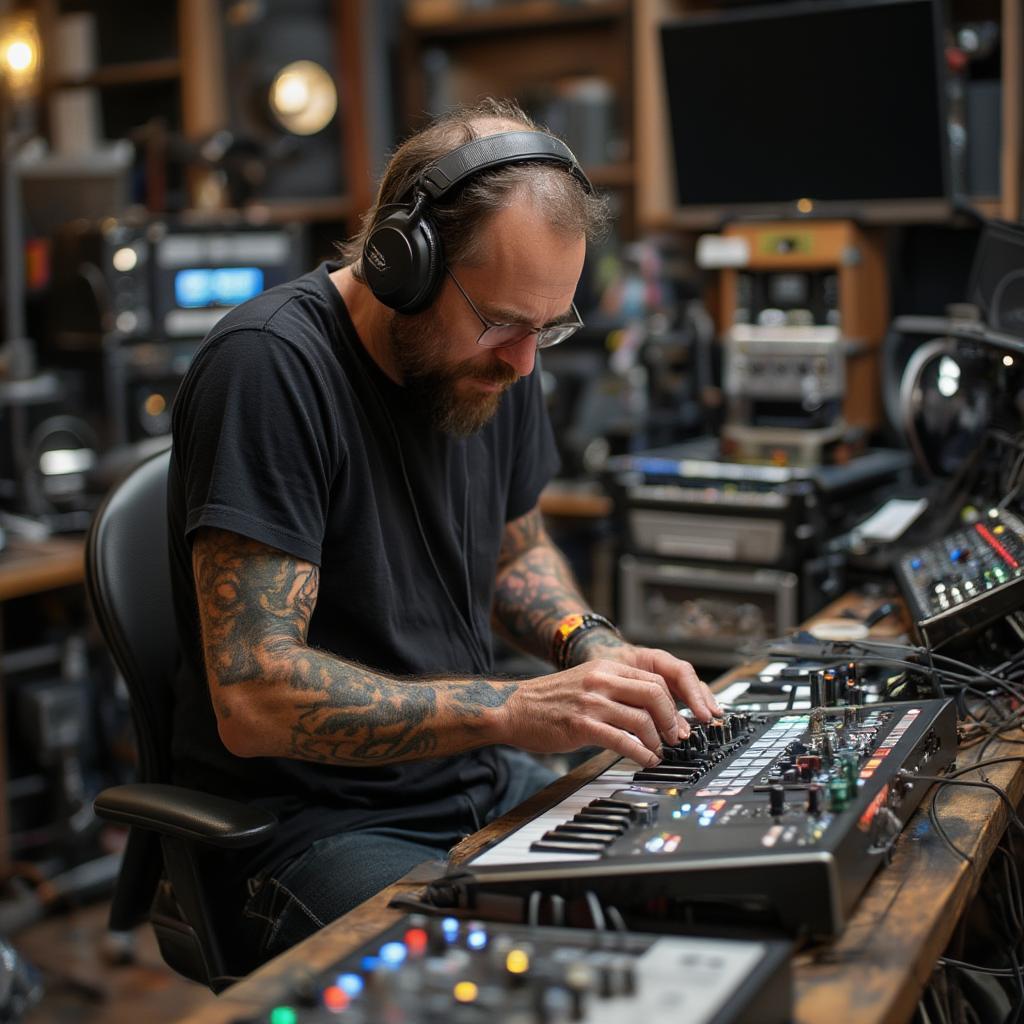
(128, 580)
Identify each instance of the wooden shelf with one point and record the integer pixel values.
(280, 211)
(621, 175)
(274, 211)
(530, 15)
(137, 73)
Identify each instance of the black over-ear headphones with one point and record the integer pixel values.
(403, 259)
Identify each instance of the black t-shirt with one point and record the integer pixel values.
(287, 432)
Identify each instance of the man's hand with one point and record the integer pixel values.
(679, 675)
(609, 703)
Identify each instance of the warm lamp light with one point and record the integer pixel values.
(19, 53)
(303, 97)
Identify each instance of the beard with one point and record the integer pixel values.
(434, 386)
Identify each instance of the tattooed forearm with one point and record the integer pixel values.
(276, 696)
(535, 589)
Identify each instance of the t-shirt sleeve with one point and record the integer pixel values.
(256, 437)
(536, 458)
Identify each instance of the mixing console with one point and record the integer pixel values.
(446, 971)
(967, 579)
(778, 817)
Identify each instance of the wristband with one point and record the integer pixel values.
(569, 631)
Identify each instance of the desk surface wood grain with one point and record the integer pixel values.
(872, 974)
(37, 566)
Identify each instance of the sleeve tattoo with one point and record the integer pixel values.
(255, 606)
(535, 588)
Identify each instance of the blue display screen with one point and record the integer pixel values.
(217, 286)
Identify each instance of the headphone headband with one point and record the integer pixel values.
(455, 167)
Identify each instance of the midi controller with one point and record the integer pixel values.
(774, 818)
(966, 580)
(446, 971)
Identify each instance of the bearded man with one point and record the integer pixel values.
(357, 461)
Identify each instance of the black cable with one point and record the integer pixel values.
(942, 780)
(999, 972)
(533, 908)
(596, 913)
(616, 918)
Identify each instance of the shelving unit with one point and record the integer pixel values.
(181, 88)
(568, 64)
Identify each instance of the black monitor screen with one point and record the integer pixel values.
(832, 101)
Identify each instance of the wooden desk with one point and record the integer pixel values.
(26, 568)
(34, 567)
(873, 974)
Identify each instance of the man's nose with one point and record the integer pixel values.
(520, 356)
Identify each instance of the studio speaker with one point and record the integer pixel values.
(283, 107)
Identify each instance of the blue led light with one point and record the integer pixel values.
(450, 927)
(393, 953)
(370, 963)
(350, 984)
(476, 939)
(705, 820)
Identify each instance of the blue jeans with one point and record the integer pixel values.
(339, 872)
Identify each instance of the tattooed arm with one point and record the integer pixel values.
(535, 591)
(275, 696)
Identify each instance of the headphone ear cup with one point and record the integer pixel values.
(403, 261)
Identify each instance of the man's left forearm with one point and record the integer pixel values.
(534, 588)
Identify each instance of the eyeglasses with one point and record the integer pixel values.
(501, 335)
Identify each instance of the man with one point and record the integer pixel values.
(353, 505)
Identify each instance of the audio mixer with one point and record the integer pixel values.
(773, 818)
(966, 580)
(446, 971)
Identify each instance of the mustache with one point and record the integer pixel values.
(502, 374)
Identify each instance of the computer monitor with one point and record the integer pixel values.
(832, 108)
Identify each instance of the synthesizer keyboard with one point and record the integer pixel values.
(779, 818)
(966, 580)
(446, 971)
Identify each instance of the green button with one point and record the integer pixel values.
(283, 1015)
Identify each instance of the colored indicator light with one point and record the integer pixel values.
(465, 992)
(393, 953)
(705, 820)
(350, 984)
(416, 941)
(283, 1015)
(450, 928)
(476, 939)
(517, 961)
(335, 999)
(677, 814)
(370, 963)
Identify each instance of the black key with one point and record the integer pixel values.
(563, 846)
(575, 837)
(597, 828)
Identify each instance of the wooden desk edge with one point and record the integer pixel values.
(32, 568)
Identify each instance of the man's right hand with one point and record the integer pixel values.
(602, 703)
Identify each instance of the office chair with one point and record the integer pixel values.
(128, 581)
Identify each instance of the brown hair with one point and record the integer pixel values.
(567, 205)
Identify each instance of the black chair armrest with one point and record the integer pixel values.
(185, 814)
